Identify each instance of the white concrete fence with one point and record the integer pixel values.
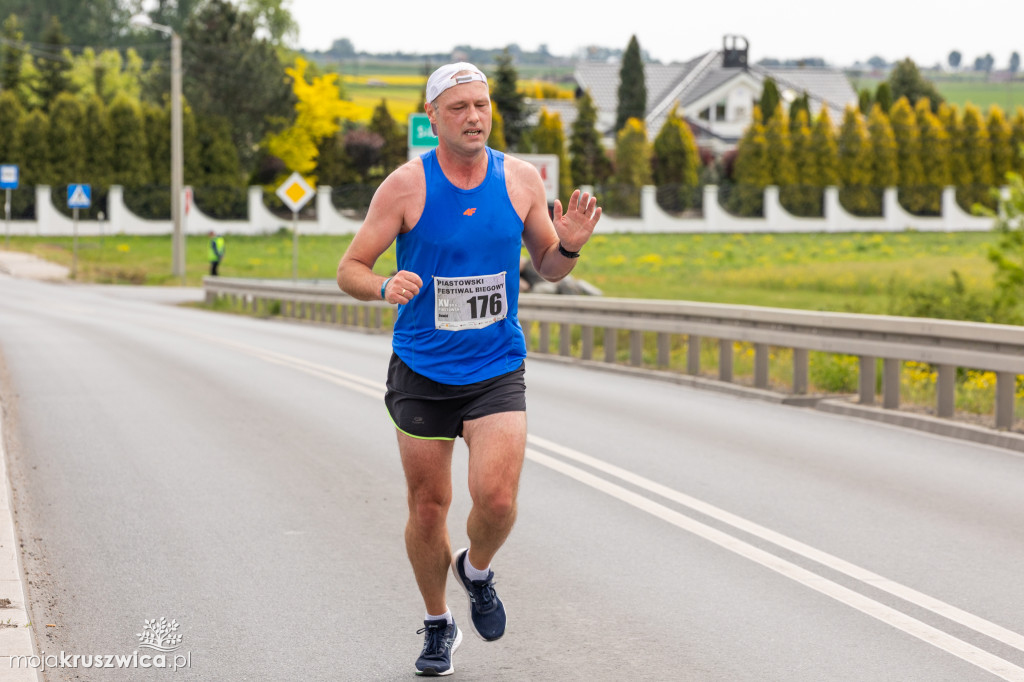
(51, 222)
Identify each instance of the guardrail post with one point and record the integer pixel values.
(527, 326)
(866, 381)
(664, 349)
(564, 339)
(636, 348)
(725, 350)
(545, 337)
(587, 335)
(610, 341)
(801, 371)
(693, 354)
(761, 357)
(1006, 386)
(891, 383)
(945, 391)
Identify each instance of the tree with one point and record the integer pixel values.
(234, 75)
(273, 18)
(54, 63)
(131, 164)
(632, 86)
(906, 81)
(11, 54)
(911, 179)
(770, 99)
(1014, 64)
(98, 136)
(589, 164)
(676, 164)
(959, 169)
(106, 74)
(780, 149)
(1008, 254)
(13, 116)
(825, 150)
(394, 152)
(751, 170)
(804, 196)
(978, 147)
(35, 151)
(219, 181)
(96, 22)
(954, 59)
(65, 141)
(864, 101)
(855, 172)
(549, 138)
(497, 139)
(1017, 140)
(801, 103)
(884, 171)
(883, 97)
(632, 167)
(1000, 136)
(511, 103)
(935, 152)
(318, 113)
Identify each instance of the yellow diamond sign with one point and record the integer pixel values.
(295, 192)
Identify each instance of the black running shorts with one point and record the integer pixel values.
(423, 408)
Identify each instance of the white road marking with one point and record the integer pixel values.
(932, 604)
(968, 652)
(927, 633)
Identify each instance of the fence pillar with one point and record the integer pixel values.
(545, 337)
(636, 348)
(693, 354)
(866, 381)
(664, 349)
(610, 341)
(1006, 386)
(761, 357)
(891, 383)
(725, 359)
(945, 391)
(564, 339)
(587, 336)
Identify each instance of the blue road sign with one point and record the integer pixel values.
(8, 176)
(79, 196)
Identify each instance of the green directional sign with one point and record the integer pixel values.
(421, 138)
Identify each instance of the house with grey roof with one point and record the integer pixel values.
(715, 92)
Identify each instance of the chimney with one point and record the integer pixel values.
(734, 52)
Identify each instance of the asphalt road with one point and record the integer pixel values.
(240, 477)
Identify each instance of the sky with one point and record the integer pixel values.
(842, 32)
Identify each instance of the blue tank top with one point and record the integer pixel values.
(463, 236)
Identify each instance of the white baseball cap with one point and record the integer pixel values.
(445, 78)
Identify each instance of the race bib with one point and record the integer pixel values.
(469, 302)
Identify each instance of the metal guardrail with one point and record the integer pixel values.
(946, 345)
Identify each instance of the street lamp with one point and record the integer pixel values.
(177, 144)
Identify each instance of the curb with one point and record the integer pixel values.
(16, 639)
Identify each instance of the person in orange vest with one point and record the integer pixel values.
(215, 252)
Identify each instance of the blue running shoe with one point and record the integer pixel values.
(486, 610)
(440, 640)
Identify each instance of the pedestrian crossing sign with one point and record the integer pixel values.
(79, 196)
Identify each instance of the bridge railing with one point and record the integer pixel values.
(580, 322)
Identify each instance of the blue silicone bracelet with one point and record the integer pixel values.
(383, 287)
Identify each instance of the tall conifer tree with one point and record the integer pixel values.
(632, 86)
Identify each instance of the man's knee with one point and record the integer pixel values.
(428, 511)
(496, 500)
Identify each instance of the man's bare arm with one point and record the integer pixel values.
(543, 236)
(398, 198)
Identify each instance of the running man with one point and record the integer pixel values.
(460, 214)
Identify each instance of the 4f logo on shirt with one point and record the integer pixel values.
(469, 211)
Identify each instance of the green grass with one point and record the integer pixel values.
(963, 89)
(859, 272)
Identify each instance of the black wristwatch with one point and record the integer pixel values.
(568, 254)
